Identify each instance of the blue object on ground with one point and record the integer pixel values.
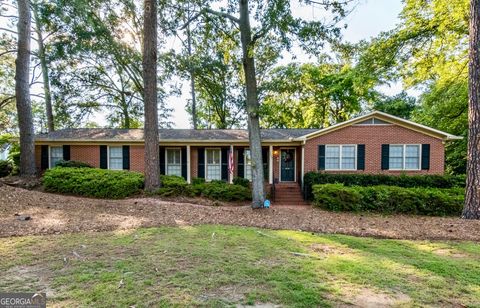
(266, 204)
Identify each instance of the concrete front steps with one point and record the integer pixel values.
(288, 194)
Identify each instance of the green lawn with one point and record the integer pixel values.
(223, 265)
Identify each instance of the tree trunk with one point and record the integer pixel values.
(192, 78)
(258, 190)
(44, 66)
(152, 161)
(472, 196)
(22, 91)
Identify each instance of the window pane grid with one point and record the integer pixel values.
(404, 157)
(56, 154)
(174, 164)
(115, 158)
(213, 168)
(340, 157)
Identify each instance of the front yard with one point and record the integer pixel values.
(225, 265)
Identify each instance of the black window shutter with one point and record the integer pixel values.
(425, 156)
(265, 162)
(385, 156)
(103, 157)
(44, 157)
(201, 162)
(126, 157)
(321, 157)
(161, 154)
(240, 163)
(184, 163)
(360, 157)
(225, 164)
(66, 152)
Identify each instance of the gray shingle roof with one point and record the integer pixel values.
(97, 134)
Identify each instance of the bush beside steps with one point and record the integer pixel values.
(389, 199)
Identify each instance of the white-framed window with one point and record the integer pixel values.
(56, 154)
(213, 164)
(247, 164)
(115, 158)
(404, 157)
(341, 157)
(174, 162)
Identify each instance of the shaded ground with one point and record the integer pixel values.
(225, 266)
(53, 214)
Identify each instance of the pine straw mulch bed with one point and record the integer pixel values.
(54, 214)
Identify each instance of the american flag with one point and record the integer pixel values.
(231, 165)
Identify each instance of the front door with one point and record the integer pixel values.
(287, 165)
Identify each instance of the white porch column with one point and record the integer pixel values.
(230, 174)
(189, 167)
(270, 165)
(302, 172)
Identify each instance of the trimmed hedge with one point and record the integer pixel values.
(173, 186)
(218, 190)
(72, 164)
(241, 181)
(389, 199)
(6, 167)
(427, 181)
(93, 182)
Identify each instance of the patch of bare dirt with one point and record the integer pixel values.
(370, 299)
(52, 213)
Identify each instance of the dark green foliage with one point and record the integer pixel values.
(6, 168)
(72, 164)
(389, 199)
(223, 191)
(198, 181)
(433, 181)
(241, 181)
(173, 186)
(92, 182)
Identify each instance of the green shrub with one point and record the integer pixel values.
(72, 164)
(6, 167)
(223, 191)
(196, 181)
(92, 182)
(241, 181)
(389, 199)
(427, 181)
(173, 185)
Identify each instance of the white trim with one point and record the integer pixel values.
(396, 120)
(270, 165)
(294, 164)
(302, 165)
(404, 145)
(232, 154)
(189, 171)
(166, 159)
(206, 160)
(341, 156)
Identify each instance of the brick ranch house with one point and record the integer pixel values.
(373, 143)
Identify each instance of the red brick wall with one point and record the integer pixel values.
(137, 158)
(194, 162)
(89, 154)
(373, 136)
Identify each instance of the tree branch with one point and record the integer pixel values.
(213, 12)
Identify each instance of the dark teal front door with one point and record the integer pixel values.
(287, 165)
